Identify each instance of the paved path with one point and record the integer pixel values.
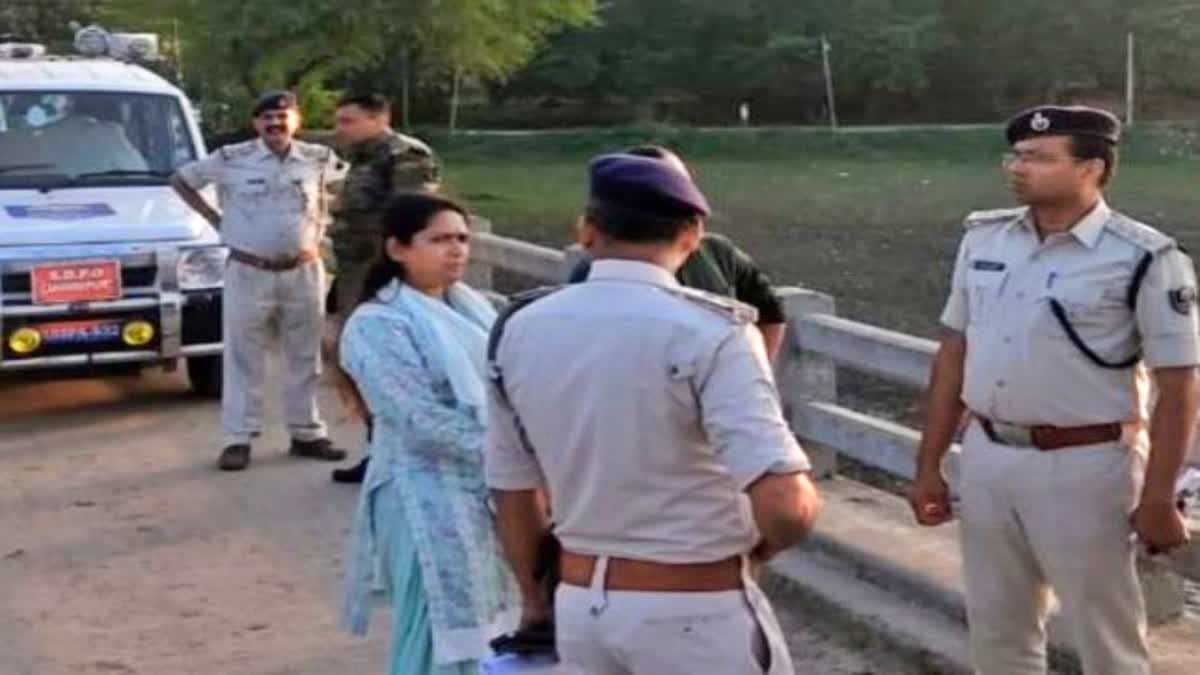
(123, 551)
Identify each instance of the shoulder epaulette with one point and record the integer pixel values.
(736, 312)
(236, 150)
(1140, 235)
(994, 217)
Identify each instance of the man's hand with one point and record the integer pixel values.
(929, 497)
(1160, 525)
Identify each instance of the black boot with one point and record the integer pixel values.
(354, 474)
(321, 449)
(234, 457)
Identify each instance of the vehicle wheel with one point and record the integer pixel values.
(204, 373)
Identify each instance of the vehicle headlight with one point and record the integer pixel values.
(202, 268)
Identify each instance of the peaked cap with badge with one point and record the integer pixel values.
(1053, 120)
(276, 100)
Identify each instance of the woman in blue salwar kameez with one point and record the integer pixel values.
(415, 351)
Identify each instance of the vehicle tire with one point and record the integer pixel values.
(204, 373)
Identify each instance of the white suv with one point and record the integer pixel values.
(100, 262)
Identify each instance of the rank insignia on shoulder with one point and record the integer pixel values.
(1182, 299)
(994, 217)
(738, 312)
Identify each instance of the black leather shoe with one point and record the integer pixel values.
(354, 474)
(234, 457)
(321, 449)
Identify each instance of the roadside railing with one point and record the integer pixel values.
(819, 343)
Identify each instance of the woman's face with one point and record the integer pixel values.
(437, 256)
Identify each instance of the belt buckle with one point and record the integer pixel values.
(1012, 434)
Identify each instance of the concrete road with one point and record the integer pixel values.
(123, 551)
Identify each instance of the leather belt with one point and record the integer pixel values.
(625, 574)
(273, 264)
(1046, 438)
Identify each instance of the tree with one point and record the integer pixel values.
(238, 48)
(46, 21)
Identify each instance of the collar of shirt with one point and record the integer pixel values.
(631, 270)
(265, 153)
(1087, 231)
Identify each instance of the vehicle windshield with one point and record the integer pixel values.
(51, 139)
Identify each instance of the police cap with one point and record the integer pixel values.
(276, 100)
(646, 184)
(1050, 120)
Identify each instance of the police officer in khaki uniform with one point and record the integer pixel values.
(273, 193)
(648, 413)
(1061, 314)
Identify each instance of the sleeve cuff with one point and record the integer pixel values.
(1171, 351)
(793, 460)
(514, 480)
(954, 321)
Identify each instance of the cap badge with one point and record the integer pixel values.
(1040, 122)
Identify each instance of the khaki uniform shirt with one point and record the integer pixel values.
(271, 207)
(1021, 366)
(649, 409)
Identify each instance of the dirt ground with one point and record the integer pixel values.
(123, 551)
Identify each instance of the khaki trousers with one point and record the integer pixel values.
(261, 310)
(602, 632)
(1034, 521)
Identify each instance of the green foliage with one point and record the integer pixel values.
(673, 61)
(46, 21)
(892, 60)
(234, 49)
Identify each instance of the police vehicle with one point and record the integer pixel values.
(101, 264)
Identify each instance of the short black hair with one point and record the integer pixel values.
(637, 226)
(372, 103)
(1091, 147)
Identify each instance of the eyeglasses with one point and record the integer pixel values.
(1035, 158)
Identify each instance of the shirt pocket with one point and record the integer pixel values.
(1094, 311)
(984, 288)
(250, 195)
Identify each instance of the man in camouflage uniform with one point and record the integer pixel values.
(383, 163)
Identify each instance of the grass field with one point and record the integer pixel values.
(872, 218)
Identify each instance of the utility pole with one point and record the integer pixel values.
(1130, 88)
(178, 51)
(457, 85)
(830, 100)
